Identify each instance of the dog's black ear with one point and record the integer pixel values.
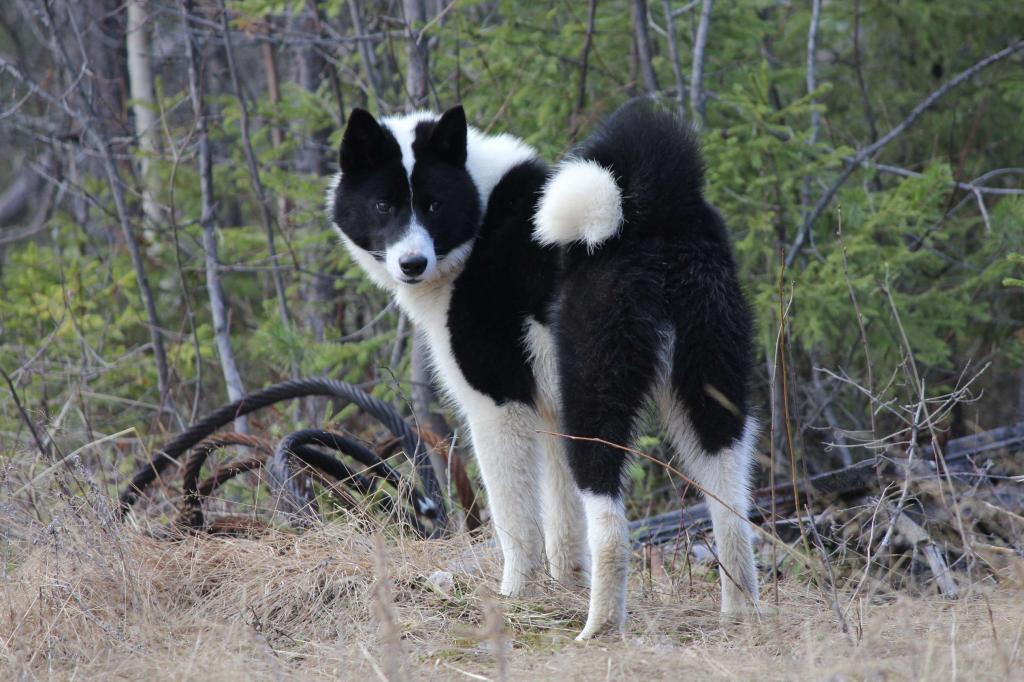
(449, 136)
(361, 146)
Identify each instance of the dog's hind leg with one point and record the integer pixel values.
(606, 357)
(724, 478)
(505, 443)
(704, 401)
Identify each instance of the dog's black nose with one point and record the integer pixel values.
(413, 265)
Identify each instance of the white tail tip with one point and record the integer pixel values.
(581, 203)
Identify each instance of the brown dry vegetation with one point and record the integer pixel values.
(84, 596)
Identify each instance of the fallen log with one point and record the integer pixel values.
(851, 481)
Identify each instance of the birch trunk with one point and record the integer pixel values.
(140, 81)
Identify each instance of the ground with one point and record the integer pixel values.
(84, 596)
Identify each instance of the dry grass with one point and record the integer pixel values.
(85, 597)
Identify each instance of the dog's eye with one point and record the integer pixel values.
(434, 206)
(383, 207)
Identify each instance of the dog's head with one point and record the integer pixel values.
(404, 202)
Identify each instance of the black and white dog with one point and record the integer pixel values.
(562, 302)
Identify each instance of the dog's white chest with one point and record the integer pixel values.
(428, 309)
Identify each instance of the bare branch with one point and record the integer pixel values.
(366, 55)
(581, 93)
(21, 194)
(88, 120)
(971, 186)
(872, 149)
(812, 38)
(858, 65)
(685, 8)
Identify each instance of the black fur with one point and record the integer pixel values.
(670, 269)
(372, 172)
(508, 279)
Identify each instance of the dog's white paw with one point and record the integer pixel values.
(601, 625)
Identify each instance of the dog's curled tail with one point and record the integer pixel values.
(640, 171)
(581, 203)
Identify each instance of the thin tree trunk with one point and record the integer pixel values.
(697, 76)
(208, 220)
(858, 64)
(812, 47)
(254, 172)
(18, 200)
(644, 50)
(417, 75)
(320, 309)
(274, 93)
(140, 76)
(576, 121)
(313, 69)
(417, 87)
(366, 54)
(673, 53)
(423, 397)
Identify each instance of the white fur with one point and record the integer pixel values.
(403, 127)
(565, 530)
(387, 274)
(581, 203)
(723, 476)
(504, 439)
(490, 157)
(507, 445)
(725, 479)
(608, 539)
(415, 242)
(375, 269)
(505, 442)
(332, 190)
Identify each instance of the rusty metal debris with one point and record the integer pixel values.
(304, 456)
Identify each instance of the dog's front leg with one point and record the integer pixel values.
(505, 442)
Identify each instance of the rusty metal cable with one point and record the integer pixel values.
(464, 489)
(322, 465)
(412, 443)
(298, 501)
